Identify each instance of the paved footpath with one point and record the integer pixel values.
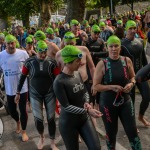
(11, 141)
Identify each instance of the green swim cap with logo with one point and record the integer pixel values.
(49, 31)
(95, 28)
(28, 40)
(113, 40)
(40, 35)
(69, 36)
(130, 24)
(41, 46)
(69, 53)
(10, 38)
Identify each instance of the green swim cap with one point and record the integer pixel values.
(28, 40)
(130, 23)
(56, 30)
(102, 24)
(70, 53)
(41, 46)
(2, 36)
(10, 38)
(17, 44)
(113, 40)
(119, 22)
(40, 35)
(69, 36)
(49, 31)
(74, 22)
(31, 36)
(95, 28)
(85, 22)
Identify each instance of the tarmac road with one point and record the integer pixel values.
(11, 141)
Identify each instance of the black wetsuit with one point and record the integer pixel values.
(41, 77)
(135, 51)
(74, 120)
(143, 74)
(117, 105)
(96, 48)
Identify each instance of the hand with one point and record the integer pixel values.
(116, 88)
(128, 88)
(17, 98)
(87, 106)
(94, 113)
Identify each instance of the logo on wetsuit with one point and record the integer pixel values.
(78, 87)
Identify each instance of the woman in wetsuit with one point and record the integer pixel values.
(41, 71)
(75, 109)
(114, 78)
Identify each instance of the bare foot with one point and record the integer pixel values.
(41, 143)
(18, 129)
(144, 121)
(24, 136)
(53, 147)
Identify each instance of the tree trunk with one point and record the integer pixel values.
(75, 10)
(45, 12)
(25, 20)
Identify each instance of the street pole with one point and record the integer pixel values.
(111, 7)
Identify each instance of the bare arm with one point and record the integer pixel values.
(90, 63)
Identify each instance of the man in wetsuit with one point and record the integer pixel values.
(134, 49)
(42, 72)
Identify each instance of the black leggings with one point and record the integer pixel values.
(22, 107)
(110, 118)
(71, 125)
(145, 93)
(49, 101)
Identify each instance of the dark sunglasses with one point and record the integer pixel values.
(76, 24)
(29, 42)
(96, 32)
(78, 56)
(115, 103)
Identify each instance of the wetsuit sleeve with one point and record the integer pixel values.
(144, 59)
(60, 93)
(143, 74)
(56, 69)
(23, 76)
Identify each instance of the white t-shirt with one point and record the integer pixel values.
(11, 64)
(56, 40)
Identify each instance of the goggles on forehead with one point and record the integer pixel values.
(80, 55)
(69, 37)
(41, 50)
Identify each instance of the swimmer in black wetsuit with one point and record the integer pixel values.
(41, 72)
(114, 78)
(134, 49)
(75, 110)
